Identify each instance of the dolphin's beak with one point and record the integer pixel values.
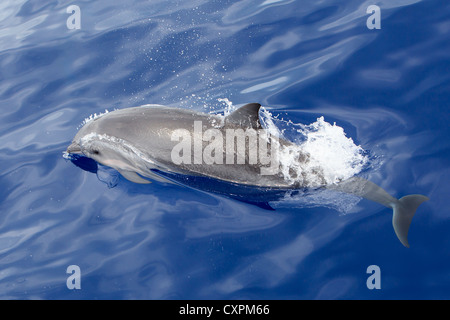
(74, 148)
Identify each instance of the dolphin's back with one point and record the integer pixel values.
(150, 129)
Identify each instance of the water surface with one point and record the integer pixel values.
(387, 88)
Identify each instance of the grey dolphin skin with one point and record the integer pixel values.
(136, 141)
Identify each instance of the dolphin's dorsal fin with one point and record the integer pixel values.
(246, 116)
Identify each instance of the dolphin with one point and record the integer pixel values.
(143, 142)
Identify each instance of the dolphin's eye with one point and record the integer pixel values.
(95, 151)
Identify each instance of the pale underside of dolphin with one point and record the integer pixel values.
(136, 141)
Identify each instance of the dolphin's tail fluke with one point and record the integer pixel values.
(404, 210)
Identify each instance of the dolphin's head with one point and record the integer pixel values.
(88, 146)
(95, 140)
(90, 142)
(85, 142)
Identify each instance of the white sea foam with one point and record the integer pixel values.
(229, 108)
(323, 154)
(92, 117)
(67, 155)
(332, 151)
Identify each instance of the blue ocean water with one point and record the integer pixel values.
(388, 88)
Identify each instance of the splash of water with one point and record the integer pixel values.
(321, 155)
(229, 108)
(92, 117)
